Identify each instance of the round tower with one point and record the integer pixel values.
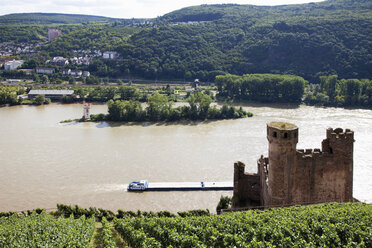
(283, 138)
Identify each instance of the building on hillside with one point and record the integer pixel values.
(45, 70)
(52, 94)
(60, 61)
(85, 61)
(65, 72)
(289, 176)
(5, 60)
(27, 71)
(80, 60)
(110, 55)
(76, 73)
(86, 73)
(53, 33)
(12, 65)
(14, 81)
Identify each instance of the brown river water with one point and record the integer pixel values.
(43, 162)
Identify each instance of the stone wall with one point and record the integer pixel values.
(246, 187)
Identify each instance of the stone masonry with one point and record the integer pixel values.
(290, 176)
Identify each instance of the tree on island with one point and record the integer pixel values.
(159, 108)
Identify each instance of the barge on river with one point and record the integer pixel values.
(144, 185)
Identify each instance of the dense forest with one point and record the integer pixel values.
(309, 40)
(32, 33)
(101, 37)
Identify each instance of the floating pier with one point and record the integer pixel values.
(184, 186)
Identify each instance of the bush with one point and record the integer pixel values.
(224, 203)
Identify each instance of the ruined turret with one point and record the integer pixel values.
(340, 145)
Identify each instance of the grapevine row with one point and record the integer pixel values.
(44, 230)
(107, 237)
(325, 225)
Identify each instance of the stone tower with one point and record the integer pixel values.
(283, 138)
(340, 146)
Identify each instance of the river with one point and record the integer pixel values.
(43, 162)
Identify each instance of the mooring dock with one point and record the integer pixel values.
(184, 186)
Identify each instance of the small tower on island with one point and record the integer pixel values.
(196, 84)
(86, 111)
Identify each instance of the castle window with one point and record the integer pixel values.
(285, 135)
(275, 135)
(255, 187)
(330, 150)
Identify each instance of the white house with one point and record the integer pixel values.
(76, 73)
(65, 71)
(86, 73)
(12, 65)
(110, 55)
(45, 70)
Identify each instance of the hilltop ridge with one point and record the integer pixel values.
(51, 18)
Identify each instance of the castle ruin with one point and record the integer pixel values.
(289, 176)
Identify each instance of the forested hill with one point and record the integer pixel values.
(237, 12)
(50, 18)
(309, 40)
(333, 37)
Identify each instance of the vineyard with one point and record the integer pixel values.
(43, 230)
(328, 225)
(323, 225)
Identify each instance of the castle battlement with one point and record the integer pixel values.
(339, 134)
(293, 176)
(306, 153)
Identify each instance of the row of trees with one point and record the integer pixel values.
(105, 93)
(159, 108)
(77, 212)
(331, 91)
(340, 92)
(262, 87)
